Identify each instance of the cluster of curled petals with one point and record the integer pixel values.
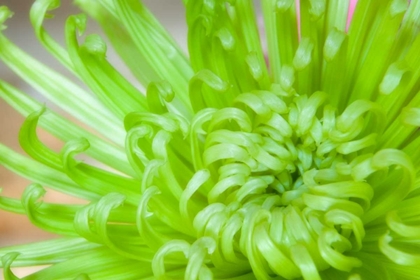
(302, 164)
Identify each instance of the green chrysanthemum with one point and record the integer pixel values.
(228, 167)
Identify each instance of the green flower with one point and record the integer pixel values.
(229, 165)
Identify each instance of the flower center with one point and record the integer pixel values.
(277, 184)
(280, 161)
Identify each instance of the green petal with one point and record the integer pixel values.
(108, 84)
(41, 174)
(50, 251)
(59, 90)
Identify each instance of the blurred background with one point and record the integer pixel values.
(16, 229)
